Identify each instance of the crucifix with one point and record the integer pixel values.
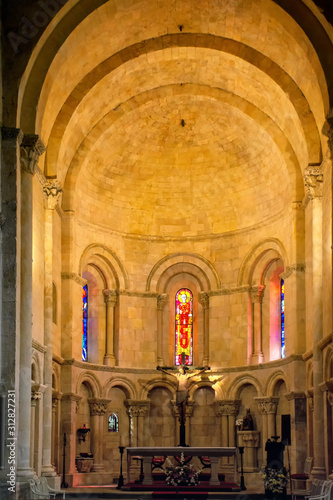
(182, 393)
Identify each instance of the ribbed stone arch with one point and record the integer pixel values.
(114, 269)
(270, 246)
(37, 368)
(170, 265)
(123, 383)
(273, 379)
(238, 383)
(91, 381)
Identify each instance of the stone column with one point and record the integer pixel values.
(327, 389)
(52, 192)
(110, 299)
(313, 180)
(257, 295)
(98, 407)
(227, 409)
(309, 398)
(56, 397)
(137, 410)
(69, 407)
(162, 300)
(250, 441)
(31, 148)
(267, 407)
(204, 301)
(298, 449)
(330, 401)
(36, 396)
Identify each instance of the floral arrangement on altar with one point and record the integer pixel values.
(182, 474)
(275, 479)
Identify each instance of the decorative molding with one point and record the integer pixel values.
(227, 407)
(98, 406)
(267, 404)
(162, 300)
(133, 293)
(52, 191)
(229, 291)
(137, 407)
(31, 149)
(257, 293)
(307, 355)
(71, 397)
(204, 299)
(38, 347)
(294, 395)
(57, 359)
(291, 269)
(313, 182)
(75, 277)
(110, 297)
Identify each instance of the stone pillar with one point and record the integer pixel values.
(69, 407)
(298, 448)
(330, 401)
(56, 397)
(309, 398)
(36, 396)
(52, 192)
(227, 409)
(267, 407)
(327, 389)
(137, 410)
(313, 180)
(204, 301)
(257, 295)
(162, 300)
(98, 407)
(31, 148)
(110, 299)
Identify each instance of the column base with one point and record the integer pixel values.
(110, 360)
(25, 473)
(319, 472)
(257, 358)
(48, 470)
(97, 468)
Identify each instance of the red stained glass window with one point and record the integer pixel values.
(184, 327)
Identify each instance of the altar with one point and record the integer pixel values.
(214, 454)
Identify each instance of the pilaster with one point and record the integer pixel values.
(110, 299)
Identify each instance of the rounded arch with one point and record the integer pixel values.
(191, 263)
(55, 377)
(36, 373)
(170, 385)
(309, 375)
(91, 381)
(200, 385)
(241, 381)
(104, 258)
(266, 250)
(273, 380)
(123, 383)
(328, 363)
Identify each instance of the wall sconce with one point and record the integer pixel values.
(82, 432)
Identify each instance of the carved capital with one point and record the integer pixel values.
(31, 149)
(329, 132)
(227, 407)
(110, 298)
(72, 398)
(309, 395)
(35, 395)
(204, 299)
(257, 293)
(52, 193)
(11, 137)
(295, 395)
(162, 300)
(267, 405)
(137, 408)
(313, 181)
(98, 406)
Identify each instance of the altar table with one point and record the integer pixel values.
(214, 454)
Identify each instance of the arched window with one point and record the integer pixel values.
(283, 347)
(184, 327)
(113, 424)
(84, 322)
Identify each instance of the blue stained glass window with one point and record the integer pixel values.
(113, 423)
(283, 347)
(84, 322)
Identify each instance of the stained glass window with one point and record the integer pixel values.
(113, 423)
(84, 322)
(283, 347)
(184, 327)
